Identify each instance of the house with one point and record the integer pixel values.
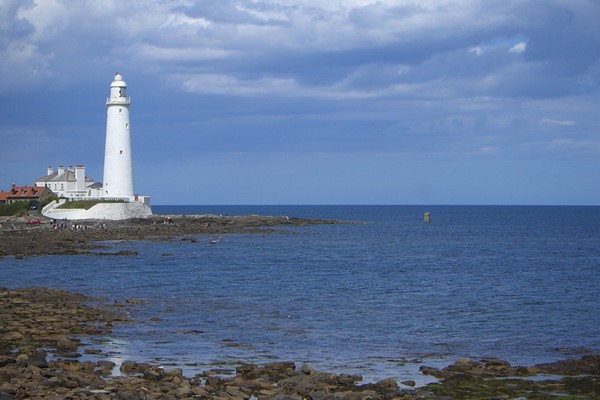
(24, 193)
(70, 182)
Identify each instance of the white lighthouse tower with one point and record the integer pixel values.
(118, 170)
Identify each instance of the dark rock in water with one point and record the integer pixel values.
(464, 365)
(105, 367)
(435, 372)
(384, 387)
(135, 301)
(64, 344)
(307, 369)
(73, 354)
(586, 365)
(409, 383)
(131, 368)
(38, 359)
(279, 370)
(247, 371)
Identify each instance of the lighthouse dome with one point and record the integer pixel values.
(118, 81)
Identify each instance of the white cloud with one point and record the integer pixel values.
(571, 144)
(519, 48)
(549, 122)
(488, 149)
(269, 86)
(171, 54)
(48, 17)
(223, 84)
(477, 50)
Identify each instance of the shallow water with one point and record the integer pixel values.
(379, 297)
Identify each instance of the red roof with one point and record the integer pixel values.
(22, 192)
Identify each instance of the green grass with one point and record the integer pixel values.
(17, 208)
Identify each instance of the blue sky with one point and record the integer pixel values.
(311, 102)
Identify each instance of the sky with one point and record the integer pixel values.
(311, 101)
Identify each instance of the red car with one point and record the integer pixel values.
(34, 221)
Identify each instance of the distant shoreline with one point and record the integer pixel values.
(19, 239)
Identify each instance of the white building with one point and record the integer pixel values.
(70, 182)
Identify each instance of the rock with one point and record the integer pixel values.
(307, 369)
(154, 374)
(13, 336)
(135, 301)
(38, 359)
(495, 362)
(464, 365)
(5, 396)
(409, 383)
(184, 390)
(106, 367)
(279, 370)
(5, 360)
(247, 371)
(130, 367)
(175, 372)
(435, 372)
(71, 355)
(22, 359)
(64, 344)
(586, 365)
(387, 385)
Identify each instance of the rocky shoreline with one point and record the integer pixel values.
(19, 239)
(41, 340)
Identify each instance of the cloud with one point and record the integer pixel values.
(550, 122)
(477, 50)
(519, 48)
(589, 146)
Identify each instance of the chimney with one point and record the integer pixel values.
(50, 170)
(80, 178)
(61, 170)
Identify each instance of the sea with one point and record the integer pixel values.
(379, 295)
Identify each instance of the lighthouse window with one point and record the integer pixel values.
(127, 126)
(121, 152)
(120, 110)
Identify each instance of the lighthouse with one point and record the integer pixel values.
(118, 170)
(115, 198)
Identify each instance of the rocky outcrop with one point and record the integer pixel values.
(69, 238)
(39, 321)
